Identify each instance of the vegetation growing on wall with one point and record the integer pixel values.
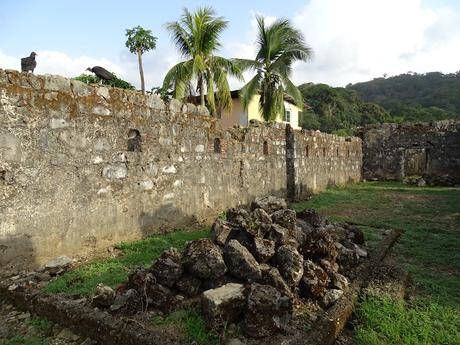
(115, 82)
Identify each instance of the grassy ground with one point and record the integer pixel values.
(190, 324)
(429, 249)
(114, 271)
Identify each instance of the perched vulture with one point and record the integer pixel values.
(101, 72)
(29, 63)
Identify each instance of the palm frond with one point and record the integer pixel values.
(294, 92)
(251, 89)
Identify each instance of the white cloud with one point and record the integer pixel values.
(125, 66)
(358, 40)
(54, 62)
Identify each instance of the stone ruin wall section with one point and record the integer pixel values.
(394, 151)
(83, 167)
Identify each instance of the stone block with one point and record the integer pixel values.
(155, 102)
(225, 303)
(58, 123)
(117, 171)
(57, 83)
(81, 89)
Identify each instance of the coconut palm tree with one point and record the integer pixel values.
(140, 41)
(279, 46)
(196, 36)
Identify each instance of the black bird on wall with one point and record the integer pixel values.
(101, 72)
(29, 63)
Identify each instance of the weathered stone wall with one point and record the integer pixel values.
(83, 167)
(393, 151)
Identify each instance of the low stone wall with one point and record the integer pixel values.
(393, 151)
(83, 166)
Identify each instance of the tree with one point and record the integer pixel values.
(196, 36)
(279, 46)
(140, 41)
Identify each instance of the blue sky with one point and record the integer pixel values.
(353, 40)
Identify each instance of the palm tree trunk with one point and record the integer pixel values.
(202, 90)
(141, 71)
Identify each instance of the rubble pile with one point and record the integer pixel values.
(256, 266)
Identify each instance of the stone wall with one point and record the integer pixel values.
(432, 150)
(83, 167)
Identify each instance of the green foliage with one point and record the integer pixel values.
(337, 110)
(191, 323)
(115, 82)
(21, 340)
(279, 45)
(165, 94)
(428, 249)
(415, 97)
(114, 271)
(196, 36)
(43, 326)
(140, 40)
(382, 321)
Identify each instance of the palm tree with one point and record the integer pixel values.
(140, 41)
(196, 36)
(279, 45)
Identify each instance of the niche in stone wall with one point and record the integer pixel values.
(307, 151)
(414, 161)
(324, 152)
(265, 148)
(134, 141)
(217, 145)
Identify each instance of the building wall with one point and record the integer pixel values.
(254, 112)
(238, 116)
(83, 167)
(393, 151)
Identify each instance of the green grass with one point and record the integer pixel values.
(20, 340)
(429, 249)
(114, 271)
(385, 321)
(191, 324)
(43, 326)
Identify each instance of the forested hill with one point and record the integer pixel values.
(414, 97)
(338, 110)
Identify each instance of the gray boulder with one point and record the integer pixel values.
(269, 204)
(271, 276)
(168, 268)
(268, 311)
(203, 259)
(189, 285)
(220, 231)
(320, 244)
(314, 281)
(263, 249)
(240, 262)
(290, 264)
(285, 217)
(312, 217)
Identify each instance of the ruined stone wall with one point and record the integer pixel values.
(83, 167)
(393, 151)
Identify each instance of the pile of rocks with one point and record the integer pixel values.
(257, 265)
